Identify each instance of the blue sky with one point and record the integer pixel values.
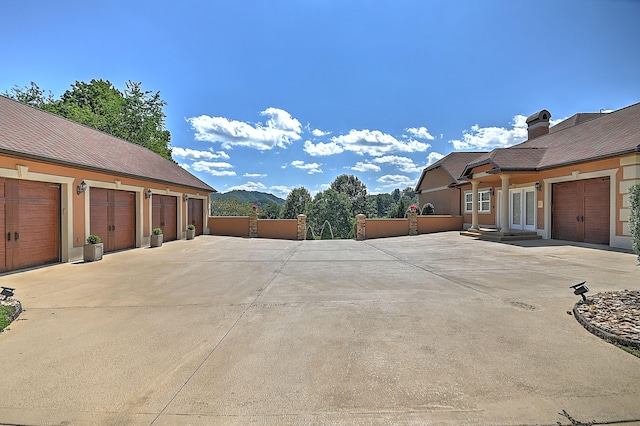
(274, 95)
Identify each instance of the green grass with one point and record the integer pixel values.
(632, 351)
(6, 312)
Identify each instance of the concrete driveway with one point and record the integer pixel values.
(430, 329)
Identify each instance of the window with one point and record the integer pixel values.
(484, 202)
(468, 202)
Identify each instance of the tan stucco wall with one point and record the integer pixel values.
(444, 201)
(75, 208)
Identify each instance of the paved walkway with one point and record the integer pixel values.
(431, 329)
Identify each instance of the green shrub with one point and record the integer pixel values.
(93, 239)
(634, 218)
(157, 231)
(191, 226)
(428, 209)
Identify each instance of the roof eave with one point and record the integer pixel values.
(17, 154)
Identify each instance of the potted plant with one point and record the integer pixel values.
(156, 237)
(93, 250)
(191, 231)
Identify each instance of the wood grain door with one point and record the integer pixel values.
(195, 215)
(30, 224)
(113, 219)
(580, 211)
(164, 215)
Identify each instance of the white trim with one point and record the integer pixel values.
(480, 191)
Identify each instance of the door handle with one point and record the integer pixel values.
(8, 236)
(16, 236)
(578, 218)
(581, 218)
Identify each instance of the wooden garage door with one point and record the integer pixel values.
(195, 215)
(580, 211)
(30, 224)
(165, 216)
(113, 218)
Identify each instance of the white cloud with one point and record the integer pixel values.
(192, 154)
(420, 132)
(396, 181)
(280, 130)
(488, 138)
(403, 164)
(433, 157)
(309, 167)
(254, 175)
(212, 167)
(318, 133)
(322, 148)
(249, 186)
(365, 167)
(185, 166)
(281, 191)
(370, 142)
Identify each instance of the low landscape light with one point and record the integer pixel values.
(580, 289)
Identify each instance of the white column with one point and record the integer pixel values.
(474, 204)
(504, 214)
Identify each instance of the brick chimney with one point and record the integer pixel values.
(538, 123)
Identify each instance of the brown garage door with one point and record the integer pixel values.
(113, 218)
(30, 224)
(580, 211)
(165, 216)
(195, 215)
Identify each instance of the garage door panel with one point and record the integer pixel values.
(164, 215)
(195, 215)
(113, 218)
(581, 211)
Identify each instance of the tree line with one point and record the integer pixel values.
(338, 206)
(134, 114)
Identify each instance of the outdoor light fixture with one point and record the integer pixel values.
(185, 198)
(82, 187)
(491, 191)
(7, 292)
(148, 193)
(580, 289)
(538, 186)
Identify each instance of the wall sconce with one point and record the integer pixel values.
(185, 197)
(148, 193)
(491, 191)
(82, 187)
(538, 186)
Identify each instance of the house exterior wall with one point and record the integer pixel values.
(622, 171)
(445, 201)
(75, 208)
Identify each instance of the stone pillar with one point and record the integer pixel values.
(413, 222)
(504, 201)
(302, 227)
(474, 205)
(361, 224)
(253, 225)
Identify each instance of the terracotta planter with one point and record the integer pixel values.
(191, 234)
(92, 252)
(156, 240)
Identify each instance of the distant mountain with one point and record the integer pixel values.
(260, 199)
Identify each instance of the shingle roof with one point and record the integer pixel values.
(606, 136)
(453, 163)
(33, 133)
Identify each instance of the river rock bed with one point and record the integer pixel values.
(612, 315)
